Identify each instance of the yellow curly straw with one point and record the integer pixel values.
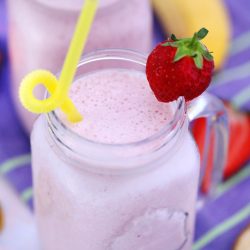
(59, 89)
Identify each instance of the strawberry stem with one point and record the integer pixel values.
(191, 47)
(202, 33)
(193, 41)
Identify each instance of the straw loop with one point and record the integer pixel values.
(57, 99)
(29, 83)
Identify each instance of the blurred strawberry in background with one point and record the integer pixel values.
(239, 144)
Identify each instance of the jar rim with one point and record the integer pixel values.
(125, 55)
(78, 8)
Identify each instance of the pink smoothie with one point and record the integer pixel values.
(40, 32)
(118, 107)
(150, 206)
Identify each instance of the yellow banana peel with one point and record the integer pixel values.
(184, 17)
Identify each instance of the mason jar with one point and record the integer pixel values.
(120, 196)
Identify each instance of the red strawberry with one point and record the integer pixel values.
(180, 67)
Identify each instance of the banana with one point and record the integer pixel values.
(1, 219)
(184, 17)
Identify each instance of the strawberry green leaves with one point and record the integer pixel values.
(191, 47)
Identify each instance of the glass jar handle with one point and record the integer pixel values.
(216, 137)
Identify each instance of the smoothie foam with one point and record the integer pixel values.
(118, 107)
